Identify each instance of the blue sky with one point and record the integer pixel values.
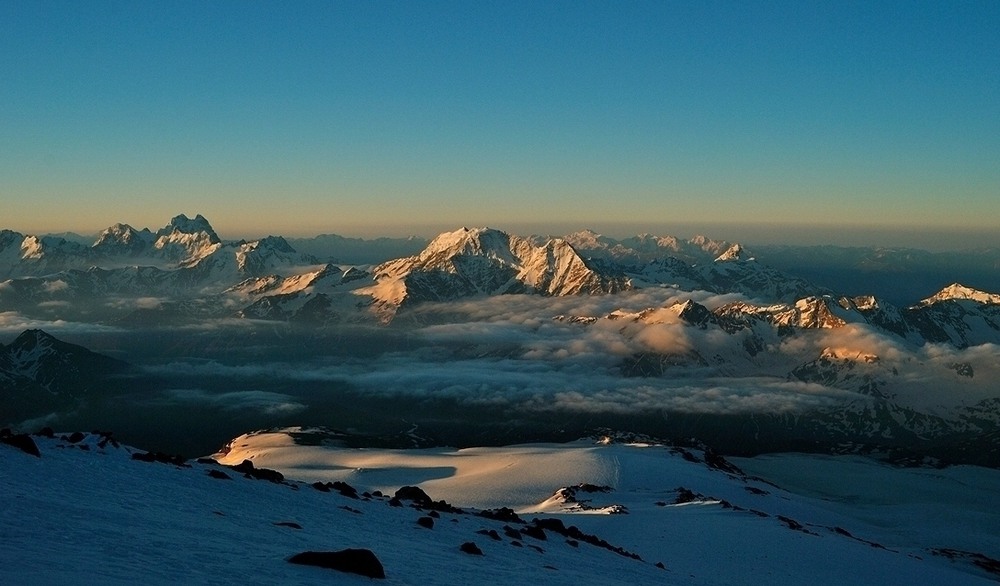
(366, 118)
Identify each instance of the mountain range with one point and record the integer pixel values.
(868, 373)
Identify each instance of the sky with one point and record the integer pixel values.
(806, 120)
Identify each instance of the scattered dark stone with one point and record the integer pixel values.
(290, 524)
(377, 493)
(21, 441)
(76, 437)
(585, 487)
(511, 532)
(516, 543)
(689, 456)
(573, 543)
(491, 533)
(979, 560)
(842, 531)
(247, 469)
(725, 504)
(470, 548)
(685, 495)
(434, 514)
(660, 565)
(660, 504)
(427, 522)
(84, 447)
(366, 495)
(321, 487)
(421, 501)
(209, 461)
(504, 514)
(792, 523)
(717, 462)
(161, 458)
(536, 548)
(395, 502)
(534, 532)
(352, 561)
(414, 494)
(755, 490)
(219, 474)
(219, 513)
(46, 432)
(759, 513)
(573, 532)
(548, 567)
(347, 508)
(550, 523)
(344, 489)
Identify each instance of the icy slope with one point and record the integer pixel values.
(707, 522)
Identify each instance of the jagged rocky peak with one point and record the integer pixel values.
(276, 243)
(692, 312)
(735, 252)
(123, 236)
(957, 291)
(31, 339)
(184, 225)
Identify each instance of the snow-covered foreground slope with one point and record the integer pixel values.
(736, 529)
(88, 513)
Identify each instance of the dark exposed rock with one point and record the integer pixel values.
(717, 462)
(491, 533)
(161, 457)
(419, 498)
(572, 543)
(321, 486)
(685, 495)
(395, 502)
(247, 469)
(46, 432)
(550, 523)
(982, 561)
(219, 474)
(289, 524)
(574, 532)
(660, 565)
(427, 522)
(75, 437)
(344, 489)
(352, 561)
(502, 514)
(534, 532)
(511, 532)
(414, 494)
(434, 514)
(21, 441)
(209, 461)
(471, 548)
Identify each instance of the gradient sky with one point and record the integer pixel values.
(366, 118)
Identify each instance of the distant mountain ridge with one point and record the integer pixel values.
(185, 267)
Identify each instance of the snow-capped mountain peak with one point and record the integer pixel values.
(957, 291)
(187, 240)
(733, 253)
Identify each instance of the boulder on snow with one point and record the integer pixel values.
(352, 561)
(471, 548)
(21, 441)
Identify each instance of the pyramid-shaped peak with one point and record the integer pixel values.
(735, 252)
